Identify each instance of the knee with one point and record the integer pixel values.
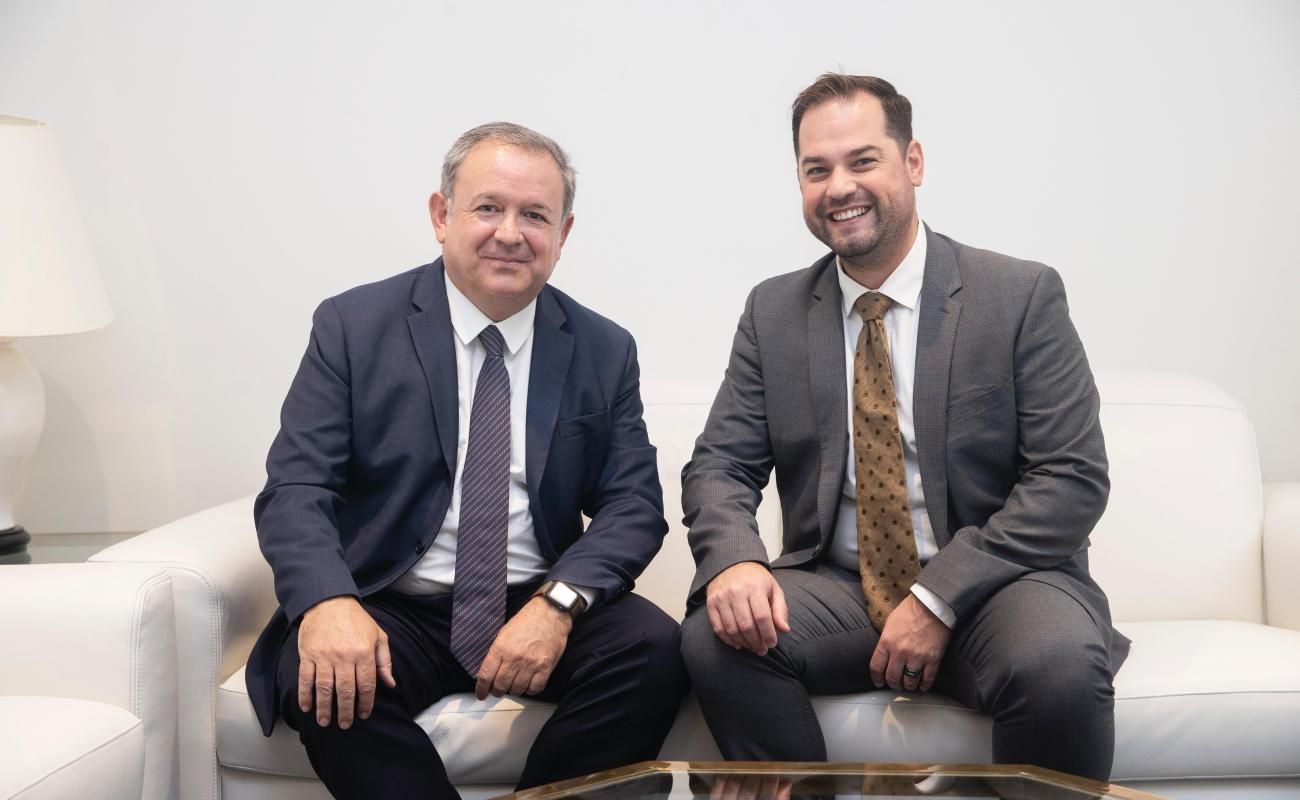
(1065, 676)
(704, 654)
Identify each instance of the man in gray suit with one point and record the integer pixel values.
(933, 425)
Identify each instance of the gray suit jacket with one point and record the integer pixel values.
(1010, 448)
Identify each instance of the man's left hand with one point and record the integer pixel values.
(913, 638)
(521, 658)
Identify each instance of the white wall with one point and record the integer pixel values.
(239, 161)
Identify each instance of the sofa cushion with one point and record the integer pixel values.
(57, 747)
(1187, 689)
(479, 741)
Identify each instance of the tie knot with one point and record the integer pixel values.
(493, 342)
(872, 305)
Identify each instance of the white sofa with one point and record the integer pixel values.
(1195, 551)
(87, 682)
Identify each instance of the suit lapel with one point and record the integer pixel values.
(552, 353)
(431, 333)
(935, 337)
(829, 392)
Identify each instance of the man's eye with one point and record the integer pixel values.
(815, 172)
(535, 216)
(487, 208)
(865, 162)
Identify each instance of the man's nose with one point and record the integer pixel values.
(842, 184)
(507, 232)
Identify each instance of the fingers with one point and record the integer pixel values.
(928, 676)
(505, 678)
(719, 627)
(780, 614)
(879, 660)
(729, 631)
(540, 678)
(487, 675)
(324, 693)
(366, 684)
(306, 683)
(345, 695)
(763, 632)
(384, 663)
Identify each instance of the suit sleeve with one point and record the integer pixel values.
(722, 484)
(296, 513)
(626, 505)
(1063, 485)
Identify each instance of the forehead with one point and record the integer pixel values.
(852, 122)
(504, 169)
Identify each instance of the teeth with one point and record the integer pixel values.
(840, 216)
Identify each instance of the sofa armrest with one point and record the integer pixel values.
(224, 595)
(1282, 554)
(101, 632)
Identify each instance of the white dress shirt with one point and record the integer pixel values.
(903, 286)
(435, 572)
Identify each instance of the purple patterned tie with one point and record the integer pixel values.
(478, 607)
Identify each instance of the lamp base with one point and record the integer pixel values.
(13, 545)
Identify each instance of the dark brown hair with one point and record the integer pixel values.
(834, 86)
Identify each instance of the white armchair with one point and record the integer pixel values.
(88, 682)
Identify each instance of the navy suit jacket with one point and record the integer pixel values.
(360, 476)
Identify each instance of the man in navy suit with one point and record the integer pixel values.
(446, 432)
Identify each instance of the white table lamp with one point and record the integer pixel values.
(49, 285)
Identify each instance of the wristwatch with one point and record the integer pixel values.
(564, 597)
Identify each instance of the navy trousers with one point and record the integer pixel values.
(618, 686)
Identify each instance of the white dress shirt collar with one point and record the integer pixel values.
(903, 285)
(468, 321)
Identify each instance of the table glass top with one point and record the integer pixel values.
(680, 780)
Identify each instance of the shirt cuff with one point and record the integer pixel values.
(931, 601)
(589, 595)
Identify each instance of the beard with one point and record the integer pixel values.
(878, 241)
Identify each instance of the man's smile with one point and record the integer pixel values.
(849, 213)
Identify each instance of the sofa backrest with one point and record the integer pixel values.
(1180, 538)
(1182, 535)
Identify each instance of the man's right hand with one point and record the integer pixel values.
(747, 607)
(340, 651)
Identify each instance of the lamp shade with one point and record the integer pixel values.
(49, 283)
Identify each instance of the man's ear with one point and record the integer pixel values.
(564, 230)
(438, 208)
(915, 162)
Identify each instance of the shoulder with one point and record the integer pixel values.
(581, 321)
(987, 273)
(801, 283)
(396, 290)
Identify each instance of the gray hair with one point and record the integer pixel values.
(516, 136)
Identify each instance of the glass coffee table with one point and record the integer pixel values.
(755, 780)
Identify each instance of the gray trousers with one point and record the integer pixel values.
(1031, 658)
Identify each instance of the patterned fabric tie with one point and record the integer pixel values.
(478, 607)
(886, 544)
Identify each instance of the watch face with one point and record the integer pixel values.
(563, 595)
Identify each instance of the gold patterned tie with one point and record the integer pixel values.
(886, 544)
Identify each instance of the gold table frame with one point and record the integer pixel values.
(1039, 775)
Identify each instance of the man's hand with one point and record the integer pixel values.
(340, 650)
(913, 638)
(525, 652)
(747, 607)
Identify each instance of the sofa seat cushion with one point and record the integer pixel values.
(1195, 699)
(1208, 698)
(479, 741)
(56, 747)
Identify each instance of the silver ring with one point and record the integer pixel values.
(908, 672)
